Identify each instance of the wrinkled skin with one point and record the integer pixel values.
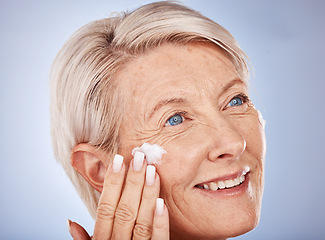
(214, 139)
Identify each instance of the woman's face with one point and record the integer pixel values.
(191, 101)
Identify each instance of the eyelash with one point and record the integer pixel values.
(182, 114)
(242, 96)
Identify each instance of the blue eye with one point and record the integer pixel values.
(174, 120)
(236, 101)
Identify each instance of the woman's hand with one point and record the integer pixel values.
(132, 212)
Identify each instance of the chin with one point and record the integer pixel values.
(234, 229)
(231, 223)
(241, 226)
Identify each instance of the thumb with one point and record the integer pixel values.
(77, 232)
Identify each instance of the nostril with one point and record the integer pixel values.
(228, 148)
(225, 156)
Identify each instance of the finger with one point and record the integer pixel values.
(77, 232)
(109, 199)
(128, 206)
(143, 227)
(160, 230)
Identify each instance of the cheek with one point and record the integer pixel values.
(255, 139)
(253, 132)
(180, 164)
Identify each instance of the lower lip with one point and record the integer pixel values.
(227, 192)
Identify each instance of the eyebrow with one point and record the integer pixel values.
(165, 102)
(232, 83)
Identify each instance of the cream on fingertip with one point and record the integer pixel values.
(117, 163)
(153, 152)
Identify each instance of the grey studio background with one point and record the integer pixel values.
(285, 42)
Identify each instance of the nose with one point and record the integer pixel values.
(226, 142)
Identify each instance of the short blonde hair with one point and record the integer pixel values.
(86, 105)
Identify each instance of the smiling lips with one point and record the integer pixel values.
(229, 183)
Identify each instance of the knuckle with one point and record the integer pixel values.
(147, 195)
(161, 227)
(142, 231)
(124, 214)
(134, 181)
(105, 211)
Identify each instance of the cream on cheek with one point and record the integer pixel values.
(261, 119)
(152, 152)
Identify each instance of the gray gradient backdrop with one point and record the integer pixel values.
(285, 42)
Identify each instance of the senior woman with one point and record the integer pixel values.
(170, 79)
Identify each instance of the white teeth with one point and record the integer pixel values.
(229, 183)
(221, 185)
(242, 178)
(214, 186)
(236, 181)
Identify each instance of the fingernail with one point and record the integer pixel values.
(117, 163)
(150, 175)
(159, 206)
(69, 222)
(138, 161)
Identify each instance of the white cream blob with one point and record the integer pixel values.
(153, 152)
(261, 119)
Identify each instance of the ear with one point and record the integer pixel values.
(91, 163)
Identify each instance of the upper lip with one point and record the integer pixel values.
(233, 175)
